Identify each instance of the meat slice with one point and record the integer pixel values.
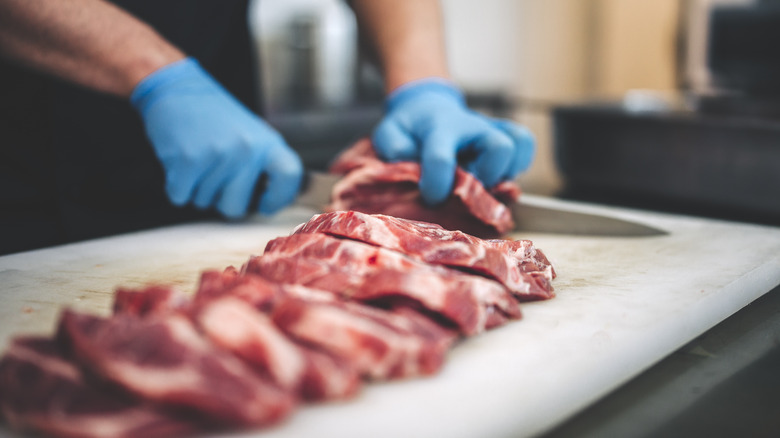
(323, 376)
(165, 360)
(235, 325)
(412, 343)
(362, 153)
(373, 186)
(527, 255)
(524, 273)
(154, 299)
(328, 377)
(391, 189)
(380, 344)
(255, 290)
(42, 390)
(232, 312)
(368, 273)
(473, 303)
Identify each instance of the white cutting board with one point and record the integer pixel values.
(622, 305)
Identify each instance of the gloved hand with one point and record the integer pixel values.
(213, 149)
(428, 121)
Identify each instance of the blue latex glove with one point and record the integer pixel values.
(428, 121)
(213, 149)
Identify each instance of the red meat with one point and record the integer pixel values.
(42, 390)
(165, 360)
(380, 344)
(518, 266)
(373, 186)
(364, 272)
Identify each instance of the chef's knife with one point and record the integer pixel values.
(529, 216)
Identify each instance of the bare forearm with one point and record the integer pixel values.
(407, 37)
(89, 42)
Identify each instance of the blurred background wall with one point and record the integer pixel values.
(549, 52)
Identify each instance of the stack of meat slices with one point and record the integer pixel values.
(346, 298)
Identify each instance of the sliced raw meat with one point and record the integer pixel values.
(42, 390)
(165, 360)
(365, 272)
(530, 258)
(325, 374)
(149, 300)
(473, 303)
(522, 250)
(391, 189)
(231, 311)
(328, 377)
(255, 290)
(236, 326)
(433, 244)
(373, 186)
(379, 343)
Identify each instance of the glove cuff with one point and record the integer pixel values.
(174, 73)
(415, 88)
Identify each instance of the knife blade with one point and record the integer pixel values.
(531, 217)
(528, 216)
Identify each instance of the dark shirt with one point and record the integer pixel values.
(76, 164)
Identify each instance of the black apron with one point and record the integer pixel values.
(76, 164)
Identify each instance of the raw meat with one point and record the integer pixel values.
(236, 326)
(348, 296)
(368, 273)
(338, 379)
(373, 186)
(165, 360)
(232, 312)
(380, 344)
(391, 189)
(527, 273)
(323, 377)
(258, 292)
(151, 300)
(328, 377)
(42, 390)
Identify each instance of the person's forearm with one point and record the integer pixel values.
(89, 42)
(407, 37)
